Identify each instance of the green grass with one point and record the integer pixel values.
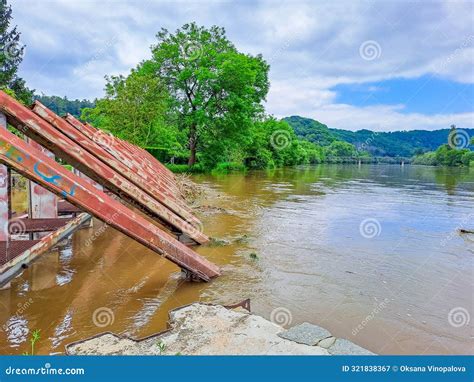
(220, 168)
(226, 167)
(161, 347)
(184, 168)
(35, 337)
(254, 256)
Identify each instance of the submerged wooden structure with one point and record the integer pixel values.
(113, 180)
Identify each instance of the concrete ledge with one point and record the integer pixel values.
(200, 329)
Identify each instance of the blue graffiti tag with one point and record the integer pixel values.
(53, 179)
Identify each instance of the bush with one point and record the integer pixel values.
(468, 159)
(226, 167)
(428, 159)
(184, 168)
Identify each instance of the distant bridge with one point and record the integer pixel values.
(369, 160)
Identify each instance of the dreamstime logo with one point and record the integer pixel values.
(280, 139)
(3, 180)
(458, 317)
(458, 139)
(370, 316)
(22, 307)
(369, 228)
(97, 233)
(467, 219)
(192, 50)
(441, 66)
(103, 317)
(367, 142)
(193, 228)
(15, 227)
(281, 316)
(12, 50)
(104, 138)
(370, 50)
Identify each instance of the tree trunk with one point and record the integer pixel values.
(192, 146)
(192, 157)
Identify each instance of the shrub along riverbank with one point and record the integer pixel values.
(446, 155)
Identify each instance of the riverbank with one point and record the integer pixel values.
(202, 329)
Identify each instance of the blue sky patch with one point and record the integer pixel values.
(427, 95)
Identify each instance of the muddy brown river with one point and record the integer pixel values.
(372, 253)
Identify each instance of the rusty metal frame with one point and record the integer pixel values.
(53, 138)
(36, 166)
(14, 266)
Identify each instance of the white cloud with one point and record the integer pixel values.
(387, 118)
(310, 45)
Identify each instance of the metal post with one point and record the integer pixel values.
(42, 203)
(4, 193)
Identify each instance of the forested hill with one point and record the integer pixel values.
(63, 105)
(397, 143)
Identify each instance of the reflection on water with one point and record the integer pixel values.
(390, 290)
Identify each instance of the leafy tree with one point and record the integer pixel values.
(216, 91)
(135, 109)
(446, 155)
(341, 149)
(311, 130)
(11, 55)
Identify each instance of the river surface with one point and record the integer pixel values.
(372, 253)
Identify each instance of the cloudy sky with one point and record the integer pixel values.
(380, 65)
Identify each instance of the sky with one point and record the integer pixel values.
(380, 65)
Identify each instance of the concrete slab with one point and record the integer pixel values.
(346, 347)
(306, 333)
(200, 329)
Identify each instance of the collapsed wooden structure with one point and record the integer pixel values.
(114, 181)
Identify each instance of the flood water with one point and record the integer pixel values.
(372, 253)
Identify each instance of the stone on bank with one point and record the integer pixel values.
(200, 329)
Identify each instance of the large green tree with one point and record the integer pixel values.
(11, 55)
(135, 109)
(216, 90)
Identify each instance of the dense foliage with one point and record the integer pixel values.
(11, 55)
(391, 144)
(449, 154)
(63, 105)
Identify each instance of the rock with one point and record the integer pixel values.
(215, 242)
(306, 333)
(200, 329)
(345, 347)
(327, 342)
(107, 343)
